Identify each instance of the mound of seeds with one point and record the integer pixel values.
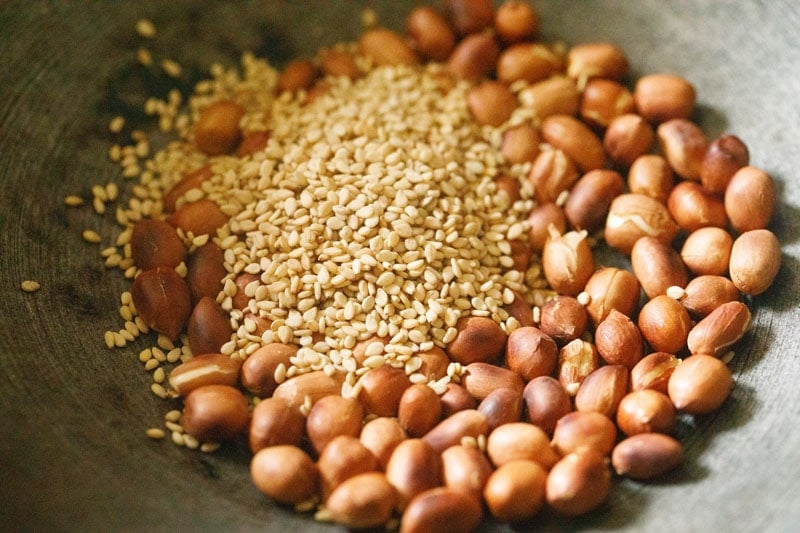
(376, 264)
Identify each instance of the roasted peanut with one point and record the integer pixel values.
(584, 429)
(520, 309)
(651, 176)
(632, 216)
(252, 142)
(214, 413)
(413, 467)
(611, 288)
(596, 60)
(441, 509)
(645, 411)
(725, 155)
(516, 21)
(627, 137)
(381, 390)
(362, 501)
(755, 261)
(201, 370)
(693, 207)
(155, 243)
(386, 47)
(491, 103)
(531, 353)
(590, 198)
(450, 431)
(706, 293)
(574, 138)
(517, 441)
(474, 57)
(241, 300)
(662, 97)
(332, 416)
(578, 483)
(465, 469)
(430, 33)
(469, 16)
(720, 329)
(162, 300)
(646, 455)
(653, 371)
(531, 62)
(217, 130)
(657, 266)
(563, 319)
(684, 146)
(618, 340)
(275, 422)
(501, 406)
(285, 473)
(603, 100)
(707, 251)
(335, 62)
(602, 390)
(434, 363)
(479, 339)
(342, 458)
(209, 327)
(258, 370)
(576, 360)
(567, 261)
(665, 324)
(546, 402)
(700, 384)
(516, 491)
(420, 409)
(750, 199)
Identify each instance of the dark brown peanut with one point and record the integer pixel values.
(420, 409)
(552, 173)
(518, 441)
(665, 324)
(474, 57)
(201, 370)
(653, 372)
(590, 199)
(603, 100)
(516, 21)
(156, 243)
(381, 436)
(707, 251)
(646, 455)
(565, 132)
(531, 62)
(750, 199)
(342, 458)
(162, 300)
(386, 47)
(217, 130)
(298, 74)
(491, 103)
(455, 399)
(202, 217)
(465, 469)
(632, 216)
(657, 266)
(190, 181)
(578, 483)
(576, 360)
(662, 97)
(618, 340)
(584, 429)
(645, 411)
(516, 491)
(479, 339)
(252, 142)
(209, 327)
(755, 261)
(720, 329)
(501, 406)
(700, 384)
(520, 309)
(381, 390)
(441, 509)
(530, 353)
(596, 60)
(285, 474)
(651, 176)
(240, 300)
(520, 144)
(275, 422)
(628, 137)
(363, 501)
(450, 431)
(205, 269)
(546, 401)
(331, 417)
(553, 96)
(602, 390)
(563, 319)
(725, 155)
(258, 370)
(611, 288)
(214, 413)
(706, 293)
(430, 33)
(693, 207)
(567, 261)
(413, 467)
(684, 146)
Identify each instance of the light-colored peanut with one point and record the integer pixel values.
(413, 467)
(750, 199)
(662, 97)
(707, 251)
(363, 501)
(700, 384)
(215, 413)
(567, 261)
(520, 440)
(645, 411)
(516, 491)
(602, 390)
(684, 146)
(285, 473)
(578, 483)
(386, 47)
(755, 261)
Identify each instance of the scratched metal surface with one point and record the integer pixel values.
(72, 413)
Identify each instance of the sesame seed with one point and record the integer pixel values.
(73, 201)
(91, 236)
(155, 433)
(145, 28)
(30, 285)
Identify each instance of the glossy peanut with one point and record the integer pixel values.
(664, 324)
(563, 319)
(653, 371)
(342, 458)
(632, 216)
(545, 402)
(381, 390)
(603, 100)
(684, 146)
(381, 436)
(456, 398)
(750, 199)
(725, 155)
(651, 175)
(556, 95)
(584, 429)
(474, 57)
(516, 21)
(217, 129)
(720, 329)
(574, 138)
(646, 455)
(645, 411)
(156, 243)
(602, 390)
(441, 509)
(413, 467)
(589, 200)
(465, 469)
(693, 207)
(520, 440)
(208, 328)
(578, 483)
(627, 137)
(214, 413)
(332, 416)
(430, 33)
(552, 173)
(516, 491)
(285, 474)
(531, 353)
(275, 422)
(706, 293)
(611, 288)
(700, 384)
(385, 47)
(707, 251)
(308, 387)
(657, 266)
(501, 406)
(540, 219)
(258, 370)
(362, 501)
(600, 60)
(162, 300)
(567, 261)
(531, 62)
(662, 97)
(450, 431)
(201, 370)
(491, 103)
(479, 339)
(420, 409)
(202, 217)
(618, 340)
(205, 270)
